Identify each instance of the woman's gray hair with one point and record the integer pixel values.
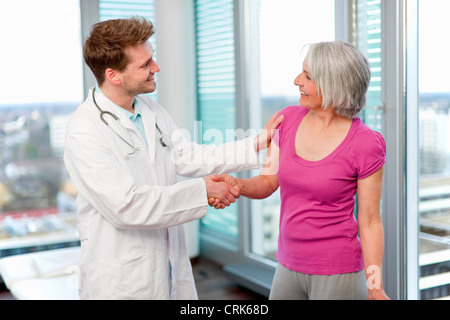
(342, 75)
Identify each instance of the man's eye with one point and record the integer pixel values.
(147, 64)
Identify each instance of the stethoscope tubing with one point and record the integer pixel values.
(164, 140)
(116, 118)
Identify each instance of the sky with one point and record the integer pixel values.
(434, 45)
(286, 27)
(28, 27)
(313, 21)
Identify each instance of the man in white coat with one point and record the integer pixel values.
(123, 153)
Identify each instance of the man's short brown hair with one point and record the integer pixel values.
(105, 47)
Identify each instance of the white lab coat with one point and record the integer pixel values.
(131, 210)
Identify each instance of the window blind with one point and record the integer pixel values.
(369, 41)
(216, 93)
(114, 9)
(216, 64)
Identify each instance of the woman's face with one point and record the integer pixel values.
(310, 98)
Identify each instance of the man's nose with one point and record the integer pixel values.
(155, 68)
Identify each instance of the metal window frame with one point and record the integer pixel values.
(411, 248)
(89, 16)
(393, 127)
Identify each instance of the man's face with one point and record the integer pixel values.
(139, 76)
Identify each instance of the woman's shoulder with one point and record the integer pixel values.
(296, 110)
(367, 142)
(292, 114)
(367, 150)
(366, 134)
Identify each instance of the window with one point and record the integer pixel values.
(246, 72)
(434, 151)
(276, 62)
(41, 86)
(408, 102)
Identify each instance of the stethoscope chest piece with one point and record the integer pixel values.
(164, 139)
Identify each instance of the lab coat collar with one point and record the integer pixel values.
(149, 121)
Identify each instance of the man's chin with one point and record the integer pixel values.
(147, 90)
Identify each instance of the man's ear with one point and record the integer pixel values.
(112, 76)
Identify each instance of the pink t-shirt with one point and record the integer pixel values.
(318, 229)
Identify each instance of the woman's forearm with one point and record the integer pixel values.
(259, 187)
(372, 243)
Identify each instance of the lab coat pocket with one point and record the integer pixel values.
(123, 279)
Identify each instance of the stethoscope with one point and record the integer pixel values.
(164, 139)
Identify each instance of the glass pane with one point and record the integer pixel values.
(280, 30)
(42, 84)
(434, 150)
(216, 91)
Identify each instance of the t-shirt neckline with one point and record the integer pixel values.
(332, 155)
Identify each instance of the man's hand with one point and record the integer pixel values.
(223, 178)
(263, 139)
(221, 189)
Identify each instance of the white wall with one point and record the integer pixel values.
(177, 90)
(175, 34)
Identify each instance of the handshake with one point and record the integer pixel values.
(222, 190)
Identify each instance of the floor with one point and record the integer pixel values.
(4, 293)
(212, 284)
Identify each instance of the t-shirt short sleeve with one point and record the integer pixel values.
(368, 152)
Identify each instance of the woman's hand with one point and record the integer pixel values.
(231, 181)
(377, 294)
(263, 139)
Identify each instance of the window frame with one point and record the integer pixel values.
(394, 131)
(89, 15)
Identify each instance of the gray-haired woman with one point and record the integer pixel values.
(322, 155)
